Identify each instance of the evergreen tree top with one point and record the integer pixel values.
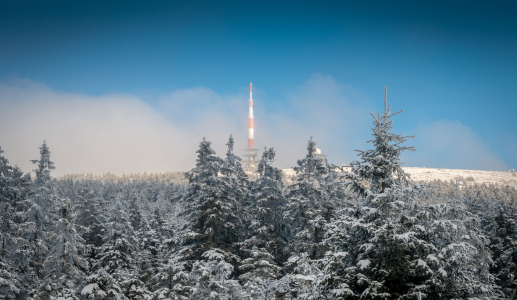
(4, 164)
(232, 164)
(205, 152)
(265, 167)
(45, 165)
(230, 146)
(207, 164)
(381, 166)
(310, 168)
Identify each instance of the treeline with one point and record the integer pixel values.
(216, 233)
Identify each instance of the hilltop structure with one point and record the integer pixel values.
(251, 153)
(317, 154)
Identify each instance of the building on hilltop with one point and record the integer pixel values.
(317, 154)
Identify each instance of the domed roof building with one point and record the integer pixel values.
(317, 154)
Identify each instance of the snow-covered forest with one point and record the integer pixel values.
(221, 232)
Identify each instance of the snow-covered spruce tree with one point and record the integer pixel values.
(388, 248)
(102, 286)
(504, 246)
(212, 277)
(268, 233)
(232, 164)
(268, 203)
(135, 215)
(211, 221)
(13, 188)
(40, 210)
(163, 276)
(136, 287)
(172, 278)
(45, 165)
(499, 223)
(158, 222)
(260, 268)
(116, 254)
(14, 184)
(337, 194)
(93, 217)
(65, 265)
(149, 242)
(10, 283)
(211, 203)
(309, 206)
(302, 281)
(380, 167)
(238, 179)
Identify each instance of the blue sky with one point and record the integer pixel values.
(451, 65)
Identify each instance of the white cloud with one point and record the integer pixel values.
(450, 144)
(117, 133)
(123, 134)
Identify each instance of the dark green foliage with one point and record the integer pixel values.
(499, 222)
(134, 212)
(92, 217)
(266, 246)
(45, 165)
(212, 202)
(389, 248)
(309, 206)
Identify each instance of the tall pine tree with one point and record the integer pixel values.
(389, 248)
(309, 205)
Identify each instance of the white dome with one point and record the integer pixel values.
(318, 151)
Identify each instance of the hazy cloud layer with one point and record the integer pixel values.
(450, 144)
(123, 134)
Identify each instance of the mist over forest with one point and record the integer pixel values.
(223, 231)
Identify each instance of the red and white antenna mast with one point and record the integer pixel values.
(250, 121)
(251, 153)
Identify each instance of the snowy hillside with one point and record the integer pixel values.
(430, 174)
(488, 177)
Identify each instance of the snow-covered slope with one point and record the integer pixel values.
(493, 177)
(429, 174)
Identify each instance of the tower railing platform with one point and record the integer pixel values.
(251, 157)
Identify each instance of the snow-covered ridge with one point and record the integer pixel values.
(417, 174)
(476, 176)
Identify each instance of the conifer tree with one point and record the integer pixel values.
(134, 212)
(212, 277)
(40, 212)
(158, 222)
(267, 243)
(11, 242)
(102, 286)
(14, 184)
(211, 202)
(65, 265)
(233, 164)
(309, 204)
(504, 246)
(45, 166)
(499, 223)
(93, 217)
(389, 248)
(148, 253)
(211, 221)
(116, 255)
